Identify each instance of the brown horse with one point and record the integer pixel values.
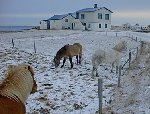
(16, 88)
(69, 51)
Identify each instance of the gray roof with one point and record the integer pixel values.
(59, 17)
(92, 9)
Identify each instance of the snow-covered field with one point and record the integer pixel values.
(74, 91)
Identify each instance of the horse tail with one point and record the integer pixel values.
(80, 52)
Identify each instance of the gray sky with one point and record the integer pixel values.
(30, 12)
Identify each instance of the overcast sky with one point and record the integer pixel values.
(30, 12)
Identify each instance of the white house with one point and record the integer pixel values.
(96, 19)
(67, 21)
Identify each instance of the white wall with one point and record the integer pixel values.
(78, 25)
(55, 24)
(67, 25)
(43, 25)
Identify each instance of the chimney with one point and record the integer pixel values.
(95, 5)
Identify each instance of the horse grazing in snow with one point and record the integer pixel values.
(16, 88)
(69, 51)
(111, 56)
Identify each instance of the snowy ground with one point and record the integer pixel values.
(74, 91)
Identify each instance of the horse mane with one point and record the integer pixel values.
(18, 82)
(62, 51)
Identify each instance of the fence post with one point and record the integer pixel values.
(13, 43)
(100, 95)
(34, 48)
(116, 34)
(132, 37)
(120, 68)
(137, 51)
(142, 43)
(136, 39)
(129, 59)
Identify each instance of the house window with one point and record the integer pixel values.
(89, 26)
(105, 25)
(100, 26)
(99, 15)
(66, 20)
(82, 16)
(106, 16)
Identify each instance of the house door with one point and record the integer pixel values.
(48, 24)
(72, 26)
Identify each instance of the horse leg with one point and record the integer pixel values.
(63, 62)
(112, 67)
(94, 70)
(70, 59)
(77, 59)
(117, 69)
(80, 57)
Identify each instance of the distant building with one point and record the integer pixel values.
(138, 27)
(126, 26)
(148, 27)
(44, 24)
(95, 19)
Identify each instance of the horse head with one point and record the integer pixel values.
(56, 62)
(15, 89)
(12, 70)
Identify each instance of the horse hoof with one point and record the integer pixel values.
(106, 68)
(112, 72)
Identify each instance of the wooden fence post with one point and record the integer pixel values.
(119, 76)
(13, 43)
(34, 48)
(100, 95)
(132, 37)
(137, 51)
(136, 39)
(142, 43)
(129, 59)
(116, 34)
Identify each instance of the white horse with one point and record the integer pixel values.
(111, 56)
(101, 56)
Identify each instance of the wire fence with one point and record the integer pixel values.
(132, 55)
